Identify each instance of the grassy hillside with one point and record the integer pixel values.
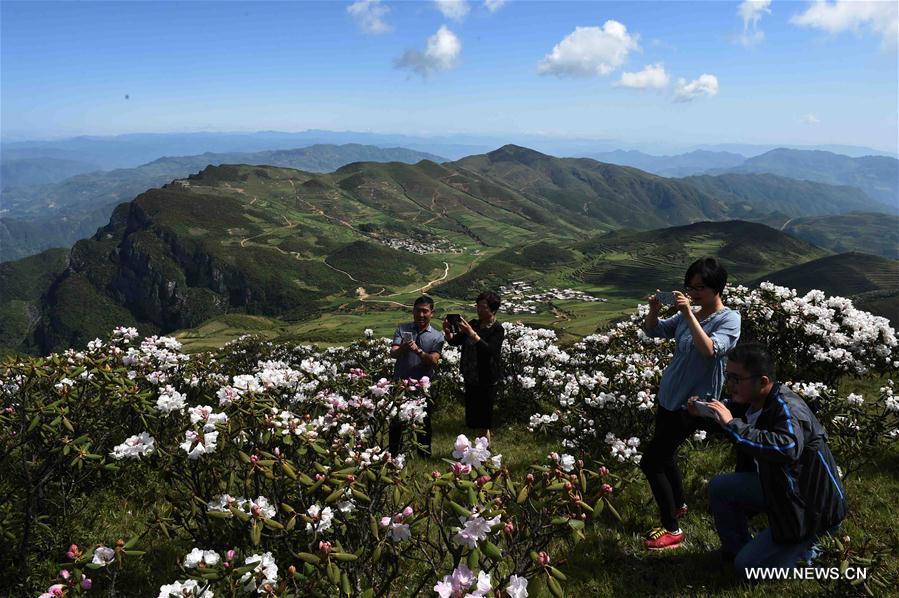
(305, 254)
(857, 232)
(57, 215)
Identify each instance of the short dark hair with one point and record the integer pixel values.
(491, 298)
(710, 270)
(755, 358)
(424, 300)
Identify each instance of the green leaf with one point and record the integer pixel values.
(554, 587)
(556, 573)
(308, 558)
(492, 550)
(256, 534)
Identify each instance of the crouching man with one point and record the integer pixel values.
(784, 469)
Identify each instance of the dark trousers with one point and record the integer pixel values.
(659, 462)
(422, 436)
(479, 400)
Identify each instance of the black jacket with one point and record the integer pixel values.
(481, 362)
(803, 493)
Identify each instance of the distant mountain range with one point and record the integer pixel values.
(128, 151)
(285, 243)
(695, 162)
(877, 176)
(37, 218)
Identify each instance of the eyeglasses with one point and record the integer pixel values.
(731, 377)
(698, 288)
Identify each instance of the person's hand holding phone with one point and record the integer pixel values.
(682, 302)
(465, 327)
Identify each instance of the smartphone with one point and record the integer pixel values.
(665, 297)
(406, 336)
(704, 410)
(453, 320)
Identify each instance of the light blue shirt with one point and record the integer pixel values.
(689, 373)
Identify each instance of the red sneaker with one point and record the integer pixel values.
(682, 511)
(661, 539)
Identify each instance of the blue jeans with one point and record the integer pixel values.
(733, 499)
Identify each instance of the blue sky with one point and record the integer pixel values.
(791, 72)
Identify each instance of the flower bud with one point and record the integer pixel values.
(120, 543)
(86, 583)
(230, 555)
(435, 474)
(606, 489)
(568, 486)
(509, 528)
(254, 459)
(580, 463)
(483, 480)
(351, 478)
(277, 451)
(603, 471)
(543, 558)
(64, 574)
(530, 478)
(324, 546)
(292, 570)
(407, 512)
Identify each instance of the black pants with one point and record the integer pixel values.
(422, 436)
(479, 400)
(659, 462)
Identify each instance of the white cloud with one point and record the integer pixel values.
(441, 54)
(705, 85)
(590, 51)
(653, 76)
(881, 18)
(369, 16)
(452, 9)
(751, 11)
(494, 5)
(811, 119)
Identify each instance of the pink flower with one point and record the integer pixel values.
(86, 583)
(603, 471)
(543, 558)
(606, 489)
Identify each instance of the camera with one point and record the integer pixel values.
(665, 297)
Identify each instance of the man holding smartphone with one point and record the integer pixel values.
(416, 347)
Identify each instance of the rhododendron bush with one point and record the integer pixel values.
(264, 465)
(598, 395)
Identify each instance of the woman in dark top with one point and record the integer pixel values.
(481, 363)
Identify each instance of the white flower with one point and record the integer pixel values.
(855, 399)
(266, 572)
(196, 557)
(134, 447)
(459, 583)
(699, 435)
(518, 587)
(170, 400)
(204, 414)
(474, 529)
(322, 518)
(196, 444)
(185, 589)
(103, 556)
(471, 455)
(567, 463)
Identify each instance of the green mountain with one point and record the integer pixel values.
(756, 196)
(291, 245)
(37, 218)
(633, 263)
(877, 176)
(871, 281)
(613, 196)
(856, 232)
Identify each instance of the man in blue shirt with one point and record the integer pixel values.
(416, 347)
